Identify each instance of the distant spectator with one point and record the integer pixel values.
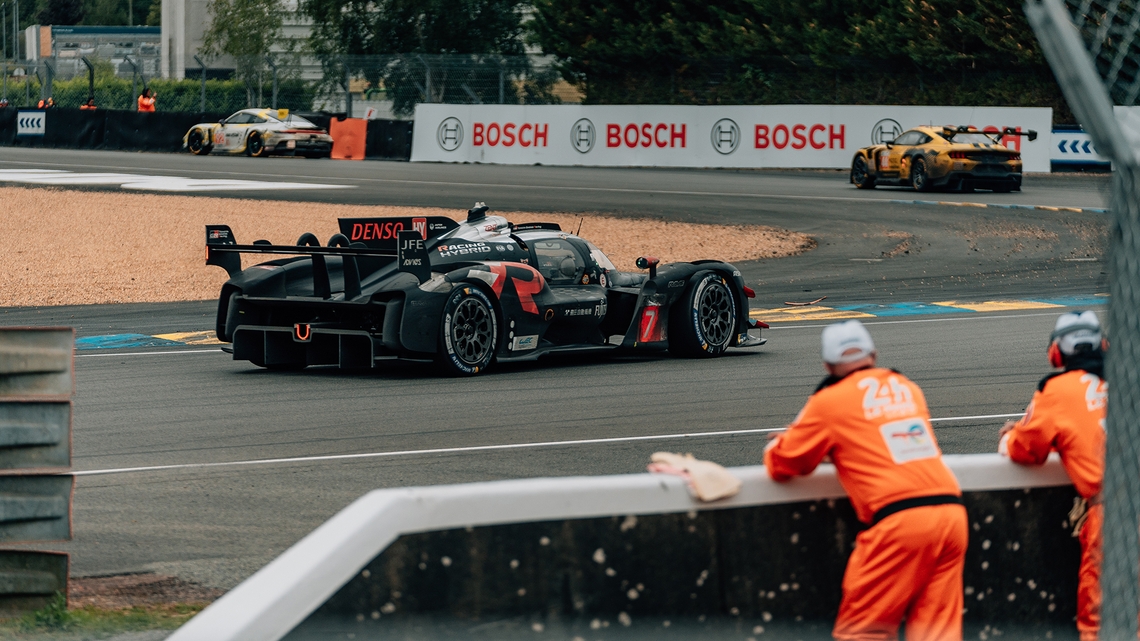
(3, 102)
(146, 101)
(89, 105)
(47, 103)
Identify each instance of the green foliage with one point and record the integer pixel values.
(222, 96)
(246, 30)
(57, 623)
(61, 12)
(766, 51)
(489, 34)
(54, 616)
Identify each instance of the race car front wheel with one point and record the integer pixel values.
(197, 144)
(469, 332)
(701, 324)
(861, 176)
(254, 146)
(918, 176)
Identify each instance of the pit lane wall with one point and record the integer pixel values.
(770, 136)
(615, 556)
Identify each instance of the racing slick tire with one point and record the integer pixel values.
(468, 332)
(197, 144)
(254, 145)
(860, 174)
(702, 323)
(919, 179)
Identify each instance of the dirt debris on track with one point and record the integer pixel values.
(68, 247)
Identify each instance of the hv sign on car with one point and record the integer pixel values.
(809, 136)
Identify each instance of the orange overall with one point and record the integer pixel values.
(875, 427)
(1067, 415)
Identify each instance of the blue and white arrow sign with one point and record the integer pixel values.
(30, 123)
(1074, 148)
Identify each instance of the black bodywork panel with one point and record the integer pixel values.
(368, 295)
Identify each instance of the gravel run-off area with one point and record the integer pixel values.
(73, 247)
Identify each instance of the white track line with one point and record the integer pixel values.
(181, 351)
(458, 450)
(968, 316)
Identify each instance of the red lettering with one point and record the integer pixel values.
(646, 136)
(509, 134)
(522, 141)
(657, 134)
(477, 134)
(811, 137)
(527, 282)
(776, 136)
(832, 136)
(540, 134)
(1012, 142)
(357, 231)
(674, 135)
(625, 136)
(613, 135)
(493, 127)
(798, 136)
(761, 136)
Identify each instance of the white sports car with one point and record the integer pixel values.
(260, 132)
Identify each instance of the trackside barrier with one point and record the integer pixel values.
(630, 552)
(163, 131)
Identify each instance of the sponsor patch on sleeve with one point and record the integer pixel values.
(909, 440)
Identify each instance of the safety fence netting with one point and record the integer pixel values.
(1094, 51)
(388, 85)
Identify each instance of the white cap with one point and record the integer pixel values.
(1076, 328)
(846, 342)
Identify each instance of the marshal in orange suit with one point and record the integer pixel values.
(874, 426)
(1067, 415)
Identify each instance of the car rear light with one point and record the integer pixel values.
(958, 155)
(1015, 157)
(749, 292)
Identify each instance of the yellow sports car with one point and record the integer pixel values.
(926, 158)
(260, 132)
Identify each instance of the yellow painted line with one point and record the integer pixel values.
(1072, 209)
(998, 305)
(192, 338)
(957, 204)
(1048, 208)
(811, 312)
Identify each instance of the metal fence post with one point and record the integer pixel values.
(49, 74)
(90, 78)
(201, 64)
(347, 89)
(269, 59)
(134, 81)
(502, 74)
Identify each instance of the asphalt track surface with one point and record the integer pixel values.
(193, 407)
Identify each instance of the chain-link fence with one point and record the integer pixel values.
(1097, 63)
(380, 86)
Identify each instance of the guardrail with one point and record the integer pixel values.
(272, 602)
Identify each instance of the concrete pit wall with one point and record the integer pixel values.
(771, 571)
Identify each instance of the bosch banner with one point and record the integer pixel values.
(793, 136)
(30, 123)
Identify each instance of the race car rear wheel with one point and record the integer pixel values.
(860, 175)
(918, 176)
(254, 146)
(468, 333)
(197, 143)
(702, 323)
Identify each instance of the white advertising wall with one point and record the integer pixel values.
(790, 136)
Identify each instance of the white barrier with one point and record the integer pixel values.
(281, 595)
(1074, 148)
(790, 136)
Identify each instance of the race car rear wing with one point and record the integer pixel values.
(949, 132)
(410, 254)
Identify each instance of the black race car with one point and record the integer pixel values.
(465, 295)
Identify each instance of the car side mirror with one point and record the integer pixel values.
(648, 262)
